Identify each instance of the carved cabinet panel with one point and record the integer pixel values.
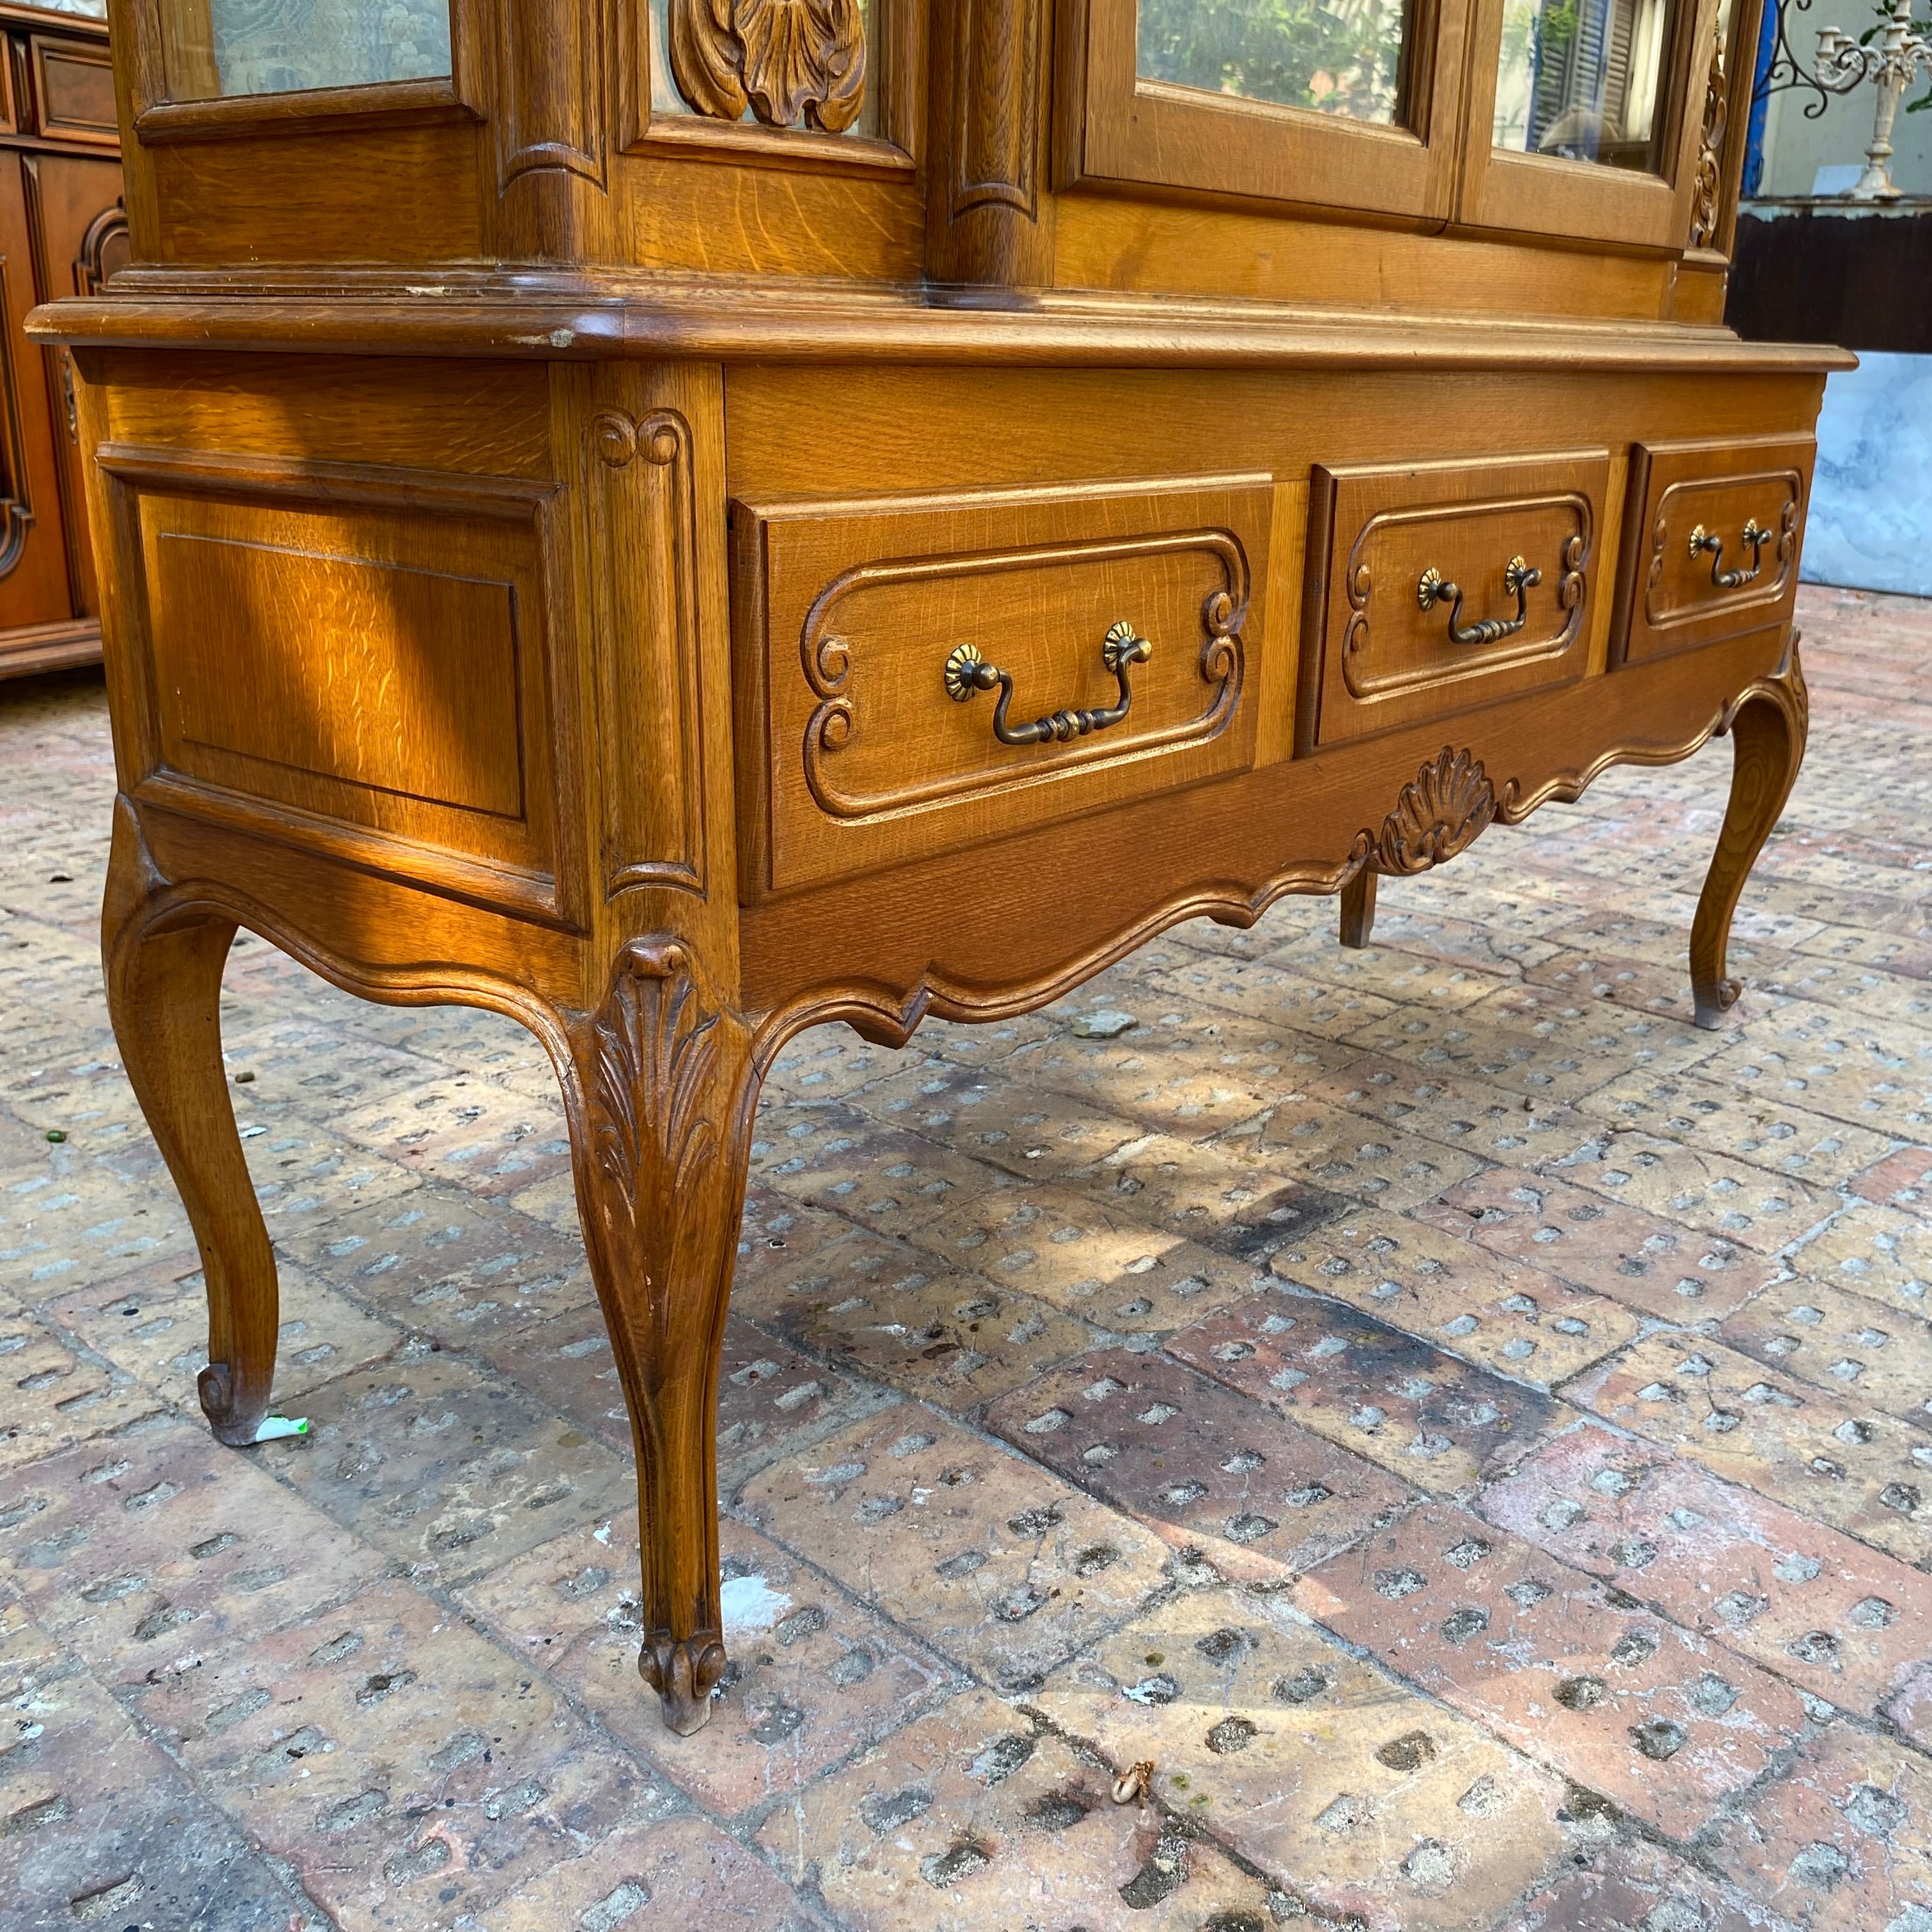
(922, 674)
(1431, 585)
(1713, 545)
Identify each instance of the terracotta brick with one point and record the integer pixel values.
(1901, 1180)
(983, 1113)
(1264, 990)
(1603, 1246)
(1475, 1117)
(1716, 1194)
(1840, 1063)
(1857, 1469)
(828, 1063)
(1444, 969)
(60, 1227)
(1767, 1129)
(1174, 1449)
(812, 1675)
(1635, 1885)
(971, 1819)
(145, 1552)
(1182, 1068)
(1094, 1261)
(882, 1309)
(1000, 1566)
(491, 1139)
(57, 1393)
(770, 1398)
(1835, 1618)
(1843, 1842)
(1327, 1147)
(1881, 1253)
(97, 1825)
(1583, 1677)
(152, 1322)
(888, 1179)
(1518, 1320)
(445, 1468)
(448, 1267)
(1348, 1790)
(1434, 1421)
(1839, 1342)
(667, 1878)
(403, 1766)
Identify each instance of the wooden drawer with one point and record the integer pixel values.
(1390, 544)
(1712, 550)
(871, 636)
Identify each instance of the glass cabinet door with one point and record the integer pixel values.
(1581, 120)
(216, 50)
(1329, 104)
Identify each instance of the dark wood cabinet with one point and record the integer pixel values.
(62, 231)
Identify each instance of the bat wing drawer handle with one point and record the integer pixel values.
(968, 672)
(1519, 579)
(1753, 540)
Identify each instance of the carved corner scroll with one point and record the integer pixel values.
(1707, 191)
(1442, 812)
(995, 118)
(641, 497)
(785, 59)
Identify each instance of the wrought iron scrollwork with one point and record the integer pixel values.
(1703, 542)
(966, 673)
(1786, 72)
(1518, 579)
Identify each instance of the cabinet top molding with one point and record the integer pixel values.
(1012, 150)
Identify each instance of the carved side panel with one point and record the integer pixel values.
(640, 489)
(1707, 194)
(550, 87)
(787, 60)
(17, 508)
(995, 123)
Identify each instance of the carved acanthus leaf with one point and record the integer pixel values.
(662, 1100)
(786, 59)
(1450, 801)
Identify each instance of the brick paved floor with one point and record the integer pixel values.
(1466, 1428)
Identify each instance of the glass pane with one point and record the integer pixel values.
(221, 47)
(88, 9)
(1338, 56)
(1581, 79)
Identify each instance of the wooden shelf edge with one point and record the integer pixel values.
(44, 647)
(598, 319)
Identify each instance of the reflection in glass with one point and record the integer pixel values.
(1342, 57)
(224, 47)
(1581, 78)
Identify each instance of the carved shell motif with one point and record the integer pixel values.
(785, 58)
(1449, 803)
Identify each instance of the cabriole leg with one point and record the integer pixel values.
(163, 971)
(661, 1119)
(1358, 909)
(1767, 730)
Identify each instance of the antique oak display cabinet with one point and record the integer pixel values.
(680, 520)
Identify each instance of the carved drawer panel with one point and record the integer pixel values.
(1714, 540)
(924, 673)
(1432, 586)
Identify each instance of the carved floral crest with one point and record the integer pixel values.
(1710, 153)
(785, 58)
(1439, 813)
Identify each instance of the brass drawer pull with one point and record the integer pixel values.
(1518, 577)
(1754, 541)
(968, 672)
